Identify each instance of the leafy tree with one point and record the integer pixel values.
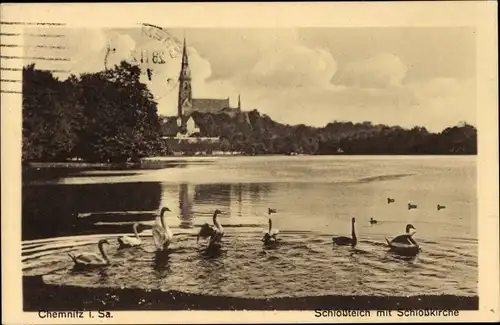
(105, 116)
(51, 115)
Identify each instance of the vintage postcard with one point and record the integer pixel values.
(249, 163)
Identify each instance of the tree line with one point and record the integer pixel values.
(110, 116)
(256, 134)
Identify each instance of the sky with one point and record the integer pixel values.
(418, 76)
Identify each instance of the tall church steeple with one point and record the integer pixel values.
(239, 103)
(185, 94)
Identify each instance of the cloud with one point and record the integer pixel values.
(83, 49)
(88, 50)
(292, 84)
(278, 74)
(284, 64)
(445, 101)
(379, 71)
(293, 66)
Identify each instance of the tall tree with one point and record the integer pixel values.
(51, 115)
(121, 119)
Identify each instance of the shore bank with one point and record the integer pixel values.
(37, 295)
(144, 163)
(180, 159)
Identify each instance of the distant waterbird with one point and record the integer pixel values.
(345, 241)
(92, 259)
(440, 207)
(270, 211)
(128, 241)
(373, 221)
(213, 232)
(411, 206)
(390, 200)
(162, 235)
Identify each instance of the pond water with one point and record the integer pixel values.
(315, 199)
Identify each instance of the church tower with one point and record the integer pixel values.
(185, 101)
(239, 103)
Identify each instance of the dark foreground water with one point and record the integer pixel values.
(315, 198)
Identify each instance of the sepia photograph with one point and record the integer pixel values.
(175, 167)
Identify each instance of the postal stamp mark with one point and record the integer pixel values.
(156, 52)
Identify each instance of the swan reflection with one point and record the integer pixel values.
(161, 262)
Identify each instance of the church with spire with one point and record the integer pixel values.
(186, 104)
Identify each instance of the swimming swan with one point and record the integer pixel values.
(404, 244)
(162, 235)
(344, 241)
(373, 221)
(440, 207)
(214, 233)
(128, 241)
(270, 235)
(92, 259)
(404, 238)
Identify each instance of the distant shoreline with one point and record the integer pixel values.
(174, 159)
(37, 295)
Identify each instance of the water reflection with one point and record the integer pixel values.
(212, 268)
(103, 277)
(186, 196)
(309, 214)
(52, 210)
(61, 210)
(236, 200)
(161, 263)
(212, 251)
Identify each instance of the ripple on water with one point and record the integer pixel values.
(303, 264)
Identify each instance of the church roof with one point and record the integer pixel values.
(209, 104)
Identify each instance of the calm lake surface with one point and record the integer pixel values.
(315, 198)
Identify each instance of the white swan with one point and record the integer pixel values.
(214, 233)
(270, 235)
(406, 238)
(128, 241)
(162, 235)
(92, 259)
(404, 244)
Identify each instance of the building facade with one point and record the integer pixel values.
(187, 104)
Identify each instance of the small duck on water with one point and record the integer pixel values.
(440, 207)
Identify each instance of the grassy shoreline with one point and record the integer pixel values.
(38, 295)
